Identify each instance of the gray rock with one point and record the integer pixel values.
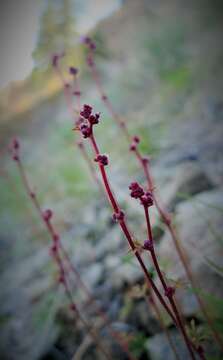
(174, 183)
(159, 348)
(120, 272)
(200, 226)
(92, 275)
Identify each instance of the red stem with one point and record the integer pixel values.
(164, 284)
(163, 327)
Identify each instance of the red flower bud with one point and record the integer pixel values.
(147, 199)
(15, 158)
(94, 119)
(169, 292)
(15, 144)
(148, 245)
(86, 112)
(73, 70)
(136, 190)
(132, 147)
(104, 97)
(102, 159)
(47, 215)
(136, 139)
(72, 307)
(77, 93)
(119, 216)
(86, 130)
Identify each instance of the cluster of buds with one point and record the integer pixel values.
(137, 192)
(87, 121)
(89, 42)
(91, 46)
(14, 149)
(134, 143)
(73, 70)
(102, 159)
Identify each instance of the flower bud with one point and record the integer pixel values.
(136, 190)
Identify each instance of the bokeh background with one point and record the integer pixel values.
(161, 66)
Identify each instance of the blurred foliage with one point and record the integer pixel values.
(197, 334)
(102, 51)
(57, 30)
(166, 52)
(137, 344)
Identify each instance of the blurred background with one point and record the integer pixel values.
(161, 65)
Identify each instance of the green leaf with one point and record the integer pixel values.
(137, 344)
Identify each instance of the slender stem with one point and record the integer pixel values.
(163, 327)
(164, 284)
